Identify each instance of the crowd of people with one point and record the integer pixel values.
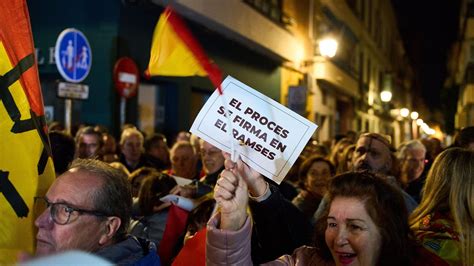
(357, 201)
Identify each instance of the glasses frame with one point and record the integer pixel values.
(69, 210)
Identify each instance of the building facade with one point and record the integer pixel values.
(271, 45)
(461, 68)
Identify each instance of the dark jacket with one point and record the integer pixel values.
(278, 227)
(131, 251)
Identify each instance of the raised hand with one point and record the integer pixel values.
(231, 196)
(255, 181)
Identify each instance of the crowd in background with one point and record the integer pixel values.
(415, 202)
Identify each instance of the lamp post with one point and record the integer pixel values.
(404, 113)
(414, 127)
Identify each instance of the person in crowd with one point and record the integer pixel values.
(121, 167)
(183, 136)
(315, 148)
(56, 126)
(154, 212)
(345, 164)
(183, 161)
(373, 153)
(412, 158)
(271, 212)
(109, 150)
(196, 143)
(136, 178)
(63, 149)
(131, 146)
(364, 223)
(88, 208)
(465, 138)
(88, 143)
(315, 174)
(338, 150)
(444, 221)
(157, 151)
(290, 186)
(213, 164)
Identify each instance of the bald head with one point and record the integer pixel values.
(372, 153)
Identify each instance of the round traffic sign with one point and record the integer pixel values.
(126, 77)
(73, 55)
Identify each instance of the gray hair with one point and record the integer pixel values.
(131, 131)
(114, 197)
(409, 145)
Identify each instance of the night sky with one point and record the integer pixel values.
(428, 28)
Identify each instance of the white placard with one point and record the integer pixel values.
(268, 136)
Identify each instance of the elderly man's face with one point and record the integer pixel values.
(371, 154)
(82, 231)
(183, 162)
(413, 164)
(212, 158)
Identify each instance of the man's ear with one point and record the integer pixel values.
(112, 224)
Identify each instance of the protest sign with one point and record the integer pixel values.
(268, 136)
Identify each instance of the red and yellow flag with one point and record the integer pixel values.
(175, 52)
(26, 168)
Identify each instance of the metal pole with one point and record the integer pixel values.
(123, 106)
(68, 114)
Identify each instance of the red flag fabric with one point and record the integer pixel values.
(193, 251)
(26, 168)
(174, 229)
(173, 45)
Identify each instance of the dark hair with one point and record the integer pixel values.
(153, 187)
(90, 131)
(114, 197)
(154, 138)
(142, 171)
(63, 148)
(464, 137)
(200, 215)
(304, 168)
(385, 205)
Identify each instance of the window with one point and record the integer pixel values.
(272, 9)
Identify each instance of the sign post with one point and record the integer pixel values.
(73, 56)
(126, 79)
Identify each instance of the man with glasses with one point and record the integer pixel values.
(88, 208)
(212, 165)
(412, 157)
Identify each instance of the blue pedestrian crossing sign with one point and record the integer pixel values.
(73, 55)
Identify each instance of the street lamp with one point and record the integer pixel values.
(414, 115)
(328, 47)
(404, 112)
(385, 96)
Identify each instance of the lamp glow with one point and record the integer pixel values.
(404, 112)
(419, 121)
(328, 47)
(414, 115)
(385, 96)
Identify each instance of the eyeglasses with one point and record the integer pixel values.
(61, 212)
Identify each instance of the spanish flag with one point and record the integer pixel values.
(26, 168)
(175, 52)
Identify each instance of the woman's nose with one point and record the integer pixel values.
(341, 238)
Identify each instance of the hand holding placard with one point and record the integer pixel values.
(268, 136)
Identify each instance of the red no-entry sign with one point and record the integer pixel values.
(126, 77)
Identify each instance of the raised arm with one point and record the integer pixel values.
(229, 231)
